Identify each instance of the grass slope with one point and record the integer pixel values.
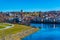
(17, 28)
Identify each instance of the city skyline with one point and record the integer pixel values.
(29, 5)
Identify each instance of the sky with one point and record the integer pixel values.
(29, 5)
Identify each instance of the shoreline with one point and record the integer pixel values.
(20, 35)
(31, 33)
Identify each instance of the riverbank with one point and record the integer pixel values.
(17, 32)
(30, 31)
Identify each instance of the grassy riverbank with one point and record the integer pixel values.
(17, 28)
(31, 32)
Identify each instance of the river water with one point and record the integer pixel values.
(46, 32)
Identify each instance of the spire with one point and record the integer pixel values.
(21, 10)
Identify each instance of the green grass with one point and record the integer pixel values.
(13, 30)
(3, 25)
(17, 28)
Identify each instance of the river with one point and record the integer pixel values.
(46, 32)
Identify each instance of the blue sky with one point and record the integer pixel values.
(29, 5)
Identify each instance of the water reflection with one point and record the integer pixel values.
(47, 32)
(46, 25)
